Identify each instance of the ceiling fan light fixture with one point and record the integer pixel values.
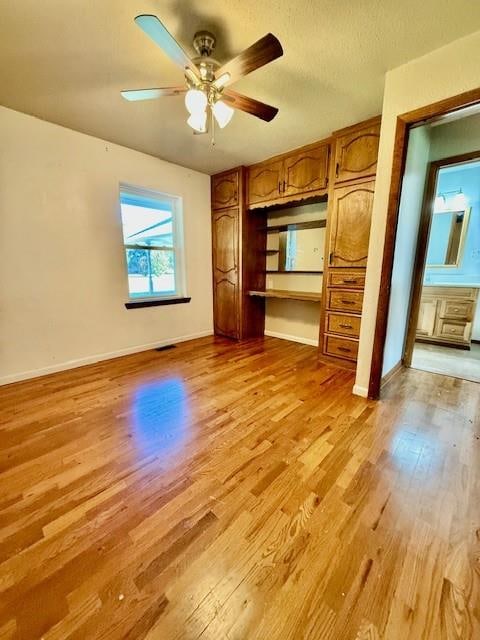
(223, 113)
(198, 121)
(195, 101)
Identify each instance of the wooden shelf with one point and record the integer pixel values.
(307, 296)
(293, 226)
(291, 272)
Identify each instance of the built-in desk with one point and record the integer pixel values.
(306, 296)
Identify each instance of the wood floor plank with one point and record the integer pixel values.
(238, 491)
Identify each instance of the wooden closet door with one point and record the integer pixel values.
(226, 284)
(356, 154)
(350, 225)
(265, 181)
(306, 171)
(225, 190)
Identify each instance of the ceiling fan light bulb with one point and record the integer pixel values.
(195, 101)
(223, 113)
(198, 121)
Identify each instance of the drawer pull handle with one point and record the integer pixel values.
(348, 301)
(453, 331)
(350, 280)
(346, 326)
(456, 309)
(344, 349)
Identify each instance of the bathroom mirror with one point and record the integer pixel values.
(447, 238)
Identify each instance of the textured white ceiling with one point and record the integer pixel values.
(66, 62)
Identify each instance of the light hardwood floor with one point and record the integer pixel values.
(238, 491)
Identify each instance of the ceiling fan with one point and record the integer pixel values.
(207, 92)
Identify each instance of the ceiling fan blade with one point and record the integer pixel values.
(257, 55)
(150, 94)
(152, 26)
(249, 105)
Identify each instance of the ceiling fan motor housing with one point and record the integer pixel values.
(204, 43)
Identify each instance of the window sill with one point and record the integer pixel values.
(157, 302)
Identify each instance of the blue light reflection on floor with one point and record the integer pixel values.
(160, 419)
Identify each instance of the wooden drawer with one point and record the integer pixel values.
(343, 325)
(341, 347)
(348, 279)
(458, 331)
(338, 300)
(457, 309)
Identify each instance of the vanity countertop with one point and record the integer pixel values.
(453, 285)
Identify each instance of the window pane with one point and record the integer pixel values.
(150, 272)
(147, 226)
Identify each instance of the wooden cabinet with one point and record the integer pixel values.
(238, 259)
(348, 233)
(265, 182)
(226, 283)
(350, 218)
(225, 190)
(427, 317)
(446, 315)
(306, 171)
(356, 153)
(291, 177)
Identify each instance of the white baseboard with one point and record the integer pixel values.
(360, 391)
(80, 362)
(286, 336)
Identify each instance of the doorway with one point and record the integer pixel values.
(435, 274)
(444, 326)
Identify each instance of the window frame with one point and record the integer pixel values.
(176, 205)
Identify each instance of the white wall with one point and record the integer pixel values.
(413, 186)
(440, 74)
(63, 283)
(454, 138)
(295, 319)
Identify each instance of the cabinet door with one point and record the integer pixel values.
(225, 190)
(351, 214)
(265, 181)
(306, 171)
(226, 300)
(426, 317)
(356, 154)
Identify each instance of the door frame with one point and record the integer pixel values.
(404, 123)
(422, 245)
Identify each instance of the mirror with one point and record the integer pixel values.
(447, 238)
(301, 249)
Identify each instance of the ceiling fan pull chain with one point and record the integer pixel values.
(212, 121)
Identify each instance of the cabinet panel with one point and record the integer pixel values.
(427, 316)
(351, 215)
(345, 300)
(460, 309)
(225, 190)
(225, 239)
(453, 330)
(341, 347)
(306, 171)
(343, 325)
(356, 154)
(346, 279)
(265, 181)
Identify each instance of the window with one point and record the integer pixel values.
(152, 237)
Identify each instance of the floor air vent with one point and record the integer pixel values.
(165, 347)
